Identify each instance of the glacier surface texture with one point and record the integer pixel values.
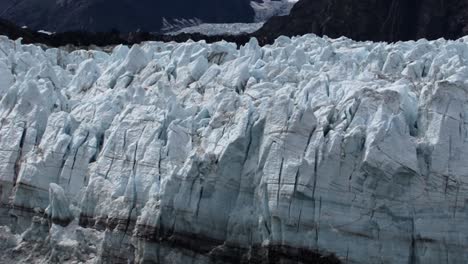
(209, 153)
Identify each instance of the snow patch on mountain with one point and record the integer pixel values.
(269, 8)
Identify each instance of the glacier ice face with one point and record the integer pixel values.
(169, 153)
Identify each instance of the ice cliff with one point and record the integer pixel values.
(206, 153)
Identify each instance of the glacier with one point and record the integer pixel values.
(264, 10)
(208, 29)
(210, 153)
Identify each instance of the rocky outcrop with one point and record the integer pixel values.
(311, 150)
(378, 20)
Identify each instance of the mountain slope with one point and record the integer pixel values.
(4, 5)
(123, 15)
(378, 20)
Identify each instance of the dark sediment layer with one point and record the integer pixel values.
(216, 250)
(220, 252)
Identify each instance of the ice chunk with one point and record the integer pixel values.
(59, 207)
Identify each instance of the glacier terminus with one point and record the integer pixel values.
(309, 149)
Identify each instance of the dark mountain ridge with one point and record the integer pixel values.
(377, 20)
(122, 15)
